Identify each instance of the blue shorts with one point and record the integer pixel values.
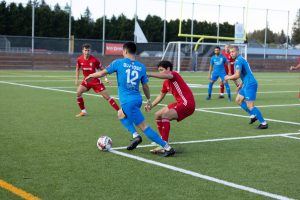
(133, 113)
(216, 75)
(249, 92)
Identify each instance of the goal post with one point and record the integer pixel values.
(194, 56)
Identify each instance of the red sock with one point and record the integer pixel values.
(113, 104)
(221, 88)
(159, 125)
(165, 129)
(80, 103)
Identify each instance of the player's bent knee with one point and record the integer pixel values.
(121, 114)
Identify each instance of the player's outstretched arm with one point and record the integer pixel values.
(77, 76)
(235, 76)
(146, 91)
(160, 75)
(156, 101)
(96, 75)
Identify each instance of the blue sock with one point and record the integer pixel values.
(128, 125)
(152, 135)
(255, 111)
(210, 85)
(245, 108)
(228, 90)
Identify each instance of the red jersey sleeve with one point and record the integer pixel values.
(78, 63)
(299, 59)
(164, 88)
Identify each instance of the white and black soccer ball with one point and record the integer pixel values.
(104, 143)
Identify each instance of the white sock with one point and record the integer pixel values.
(221, 94)
(264, 123)
(84, 110)
(134, 135)
(167, 147)
(252, 116)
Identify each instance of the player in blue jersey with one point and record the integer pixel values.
(216, 70)
(130, 73)
(247, 89)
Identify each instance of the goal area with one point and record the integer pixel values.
(194, 56)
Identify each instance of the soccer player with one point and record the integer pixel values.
(297, 67)
(216, 70)
(229, 68)
(130, 73)
(247, 89)
(182, 108)
(90, 64)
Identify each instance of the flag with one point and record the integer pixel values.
(138, 33)
(239, 32)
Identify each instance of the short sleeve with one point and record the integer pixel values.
(211, 60)
(238, 65)
(164, 88)
(112, 67)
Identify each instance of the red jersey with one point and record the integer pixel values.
(299, 59)
(88, 66)
(228, 56)
(179, 89)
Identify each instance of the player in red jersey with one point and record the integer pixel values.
(182, 108)
(297, 67)
(228, 68)
(90, 64)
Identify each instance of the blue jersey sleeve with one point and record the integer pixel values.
(225, 60)
(144, 78)
(212, 60)
(113, 67)
(238, 65)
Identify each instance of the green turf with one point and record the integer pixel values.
(49, 153)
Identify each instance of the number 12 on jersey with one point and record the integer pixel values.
(132, 76)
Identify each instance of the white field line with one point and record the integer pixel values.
(88, 94)
(220, 139)
(261, 106)
(287, 136)
(237, 115)
(202, 176)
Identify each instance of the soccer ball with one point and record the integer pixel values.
(104, 143)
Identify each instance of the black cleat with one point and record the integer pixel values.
(261, 126)
(252, 120)
(221, 96)
(136, 141)
(171, 152)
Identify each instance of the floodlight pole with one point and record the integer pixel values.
(70, 21)
(266, 30)
(165, 26)
(192, 27)
(103, 29)
(135, 19)
(32, 27)
(287, 35)
(218, 32)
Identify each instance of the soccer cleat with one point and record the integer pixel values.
(81, 114)
(171, 152)
(252, 120)
(262, 126)
(158, 150)
(208, 98)
(136, 141)
(221, 96)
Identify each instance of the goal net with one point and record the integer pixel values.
(193, 56)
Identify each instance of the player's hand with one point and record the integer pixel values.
(292, 68)
(148, 106)
(226, 78)
(89, 78)
(229, 73)
(107, 81)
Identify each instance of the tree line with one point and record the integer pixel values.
(15, 19)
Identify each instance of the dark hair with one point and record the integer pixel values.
(165, 64)
(217, 47)
(130, 47)
(86, 46)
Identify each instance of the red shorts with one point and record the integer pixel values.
(96, 84)
(182, 110)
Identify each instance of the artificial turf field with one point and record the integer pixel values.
(46, 152)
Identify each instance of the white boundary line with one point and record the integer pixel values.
(288, 136)
(88, 94)
(261, 106)
(237, 115)
(221, 139)
(202, 176)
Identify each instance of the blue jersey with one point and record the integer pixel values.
(218, 63)
(246, 73)
(129, 75)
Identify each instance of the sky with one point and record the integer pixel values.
(230, 10)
